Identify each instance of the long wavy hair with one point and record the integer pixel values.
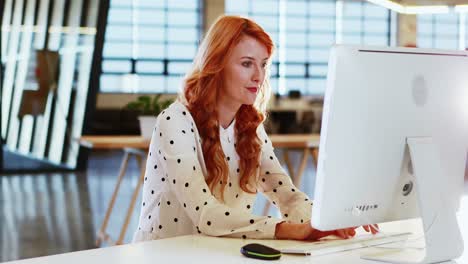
(202, 86)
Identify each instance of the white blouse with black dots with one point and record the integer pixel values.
(177, 201)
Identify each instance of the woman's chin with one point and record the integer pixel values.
(250, 100)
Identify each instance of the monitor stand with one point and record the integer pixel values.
(441, 231)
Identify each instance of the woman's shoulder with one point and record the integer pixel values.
(261, 131)
(176, 112)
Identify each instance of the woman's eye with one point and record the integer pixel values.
(246, 63)
(264, 65)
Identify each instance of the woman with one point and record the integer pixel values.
(210, 155)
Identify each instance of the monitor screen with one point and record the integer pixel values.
(375, 100)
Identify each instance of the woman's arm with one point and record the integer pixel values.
(295, 206)
(174, 145)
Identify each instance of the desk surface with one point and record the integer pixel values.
(203, 249)
(120, 142)
(114, 142)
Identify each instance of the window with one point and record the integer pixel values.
(303, 32)
(439, 31)
(365, 24)
(464, 19)
(149, 45)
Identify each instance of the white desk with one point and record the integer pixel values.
(203, 249)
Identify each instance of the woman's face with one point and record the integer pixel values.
(244, 73)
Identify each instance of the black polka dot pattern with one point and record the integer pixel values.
(186, 194)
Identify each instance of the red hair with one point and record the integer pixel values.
(201, 89)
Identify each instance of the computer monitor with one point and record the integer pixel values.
(394, 142)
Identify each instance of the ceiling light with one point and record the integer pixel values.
(389, 5)
(431, 9)
(426, 9)
(461, 8)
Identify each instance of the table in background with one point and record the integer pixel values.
(133, 146)
(137, 147)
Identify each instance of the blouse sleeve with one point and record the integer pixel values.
(295, 206)
(175, 143)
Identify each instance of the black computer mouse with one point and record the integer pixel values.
(260, 251)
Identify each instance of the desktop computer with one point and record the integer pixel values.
(393, 144)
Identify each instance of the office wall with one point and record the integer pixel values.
(67, 28)
(407, 30)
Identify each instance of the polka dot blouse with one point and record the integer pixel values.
(177, 201)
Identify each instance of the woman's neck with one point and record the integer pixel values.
(226, 114)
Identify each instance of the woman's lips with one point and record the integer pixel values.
(252, 89)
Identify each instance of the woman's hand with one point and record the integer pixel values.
(305, 231)
(374, 229)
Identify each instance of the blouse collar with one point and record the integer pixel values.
(227, 134)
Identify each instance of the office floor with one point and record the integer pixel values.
(53, 213)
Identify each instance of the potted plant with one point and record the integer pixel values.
(148, 109)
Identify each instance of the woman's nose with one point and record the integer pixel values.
(256, 75)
